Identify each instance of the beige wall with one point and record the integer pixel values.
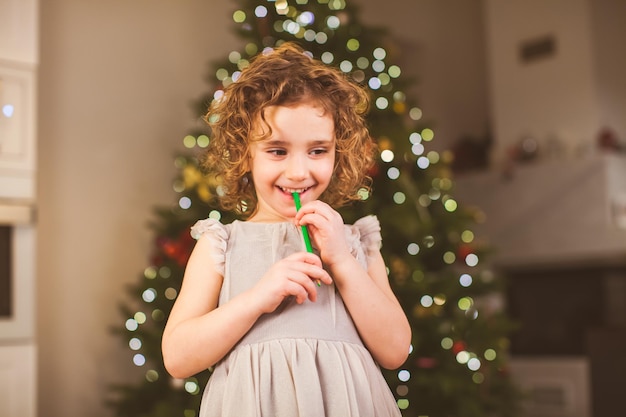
(116, 81)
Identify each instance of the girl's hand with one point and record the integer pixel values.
(326, 228)
(295, 276)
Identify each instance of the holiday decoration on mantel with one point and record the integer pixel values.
(458, 363)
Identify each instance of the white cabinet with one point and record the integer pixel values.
(17, 131)
(19, 57)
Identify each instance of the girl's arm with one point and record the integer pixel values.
(375, 310)
(198, 333)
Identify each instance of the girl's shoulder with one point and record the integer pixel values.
(218, 235)
(364, 235)
(211, 227)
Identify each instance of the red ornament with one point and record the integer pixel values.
(426, 362)
(458, 346)
(463, 251)
(178, 249)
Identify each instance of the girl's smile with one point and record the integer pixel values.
(298, 156)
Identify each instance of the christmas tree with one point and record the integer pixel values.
(457, 366)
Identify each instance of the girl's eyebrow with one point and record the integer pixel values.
(279, 142)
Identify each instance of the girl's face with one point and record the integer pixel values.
(298, 156)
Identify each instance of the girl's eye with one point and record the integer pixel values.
(277, 152)
(319, 151)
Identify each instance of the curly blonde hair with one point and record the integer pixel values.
(286, 76)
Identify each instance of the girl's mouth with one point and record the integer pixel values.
(293, 190)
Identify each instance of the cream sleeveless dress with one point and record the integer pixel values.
(302, 360)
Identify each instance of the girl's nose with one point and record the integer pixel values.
(296, 168)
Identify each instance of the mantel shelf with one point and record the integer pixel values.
(552, 212)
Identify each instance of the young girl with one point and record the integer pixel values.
(291, 333)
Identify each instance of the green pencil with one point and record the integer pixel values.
(305, 232)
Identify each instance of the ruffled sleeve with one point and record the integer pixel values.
(364, 238)
(217, 233)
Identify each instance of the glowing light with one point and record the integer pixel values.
(234, 57)
(192, 387)
(134, 343)
(165, 272)
(251, 49)
(378, 66)
(404, 375)
(415, 138)
(450, 205)
(429, 241)
(387, 155)
(428, 134)
(260, 11)
(336, 4)
(184, 203)
(478, 378)
(379, 53)
(447, 343)
(449, 258)
(131, 325)
(306, 18)
(424, 200)
(189, 141)
(332, 22)
(236, 75)
(171, 293)
(433, 156)
(152, 375)
(321, 38)
(393, 173)
(465, 303)
(382, 103)
(413, 248)
(439, 299)
(327, 57)
(423, 162)
(345, 66)
(8, 110)
(426, 300)
(139, 359)
(353, 45)
(473, 364)
(215, 215)
(149, 295)
(399, 197)
(150, 272)
(471, 260)
(403, 403)
(309, 35)
(363, 194)
(465, 280)
(158, 315)
(402, 390)
(490, 354)
(462, 357)
(239, 16)
(415, 113)
(362, 62)
(140, 317)
(374, 83)
(394, 71)
(202, 141)
(467, 236)
(417, 149)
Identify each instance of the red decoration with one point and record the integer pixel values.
(426, 362)
(458, 346)
(178, 249)
(463, 251)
